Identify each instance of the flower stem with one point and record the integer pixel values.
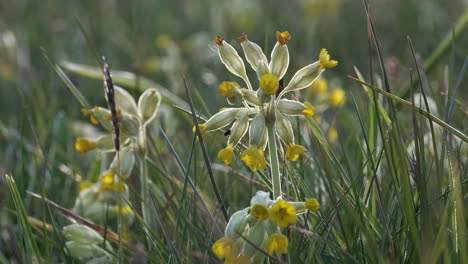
(275, 173)
(144, 188)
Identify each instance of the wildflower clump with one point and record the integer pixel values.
(257, 107)
(101, 201)
(261, 224)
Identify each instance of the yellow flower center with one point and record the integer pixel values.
(312, 204)
(228, 89)
(283, 37)
(269, 83)
(277, 243)
(310, 111)
(337, 98)
(259, 211)
(324, 60)
(282, 213)
(84, 145)
(293, 152)
(253, 157)
(226, 154)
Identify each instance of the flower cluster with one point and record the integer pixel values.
(256, 109)
(87, 245)
(100, 201)
(261, 225)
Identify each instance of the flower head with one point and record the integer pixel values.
(225, 248)
(228, 89)
(84, 145)
(312, 204)
(253, 157)
(269, 83)
(325, 61)
(283, 213)
(259, 211)
(337, 98)
(294, 151)
(277, 243)
(226, 154)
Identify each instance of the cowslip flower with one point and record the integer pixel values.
(277, 243)
(282, 213)
(264, 104)
(312, 204)
(226, 248)
(259, 211)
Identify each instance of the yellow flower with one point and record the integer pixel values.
(109, 183)
(312, 204)
(84, 145)
(332, 134)
(226, 154)
(325, 61)
(294, 151)
(319, 86)
(310, 111)
(228, 89)
(259, 211)
(226, 248)
(253, 157)
(269, 83)
(85, 185)
(337, 98)
(283, 37)
(283, 213)
(203, 129)
(277, 243)
(123, 210)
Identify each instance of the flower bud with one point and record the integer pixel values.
(291, 107)
(257, 129)
(231, 59)
(251, 97)
(222, 118)
(129, 125)
(124, 101)
(253, 52)
(84, 145)
(148, 105)
(304, 77)
(284, 129)
(82, 234)
(238, 129)
(126, 163)
(280, 56)
(262, 69)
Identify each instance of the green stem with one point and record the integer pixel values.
(275, 173)
(144, 188)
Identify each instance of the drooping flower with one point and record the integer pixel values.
(253, 157)
(226, 154)
(226, 248)
(282, 213)
(325, 61)
(312, 204)
(337, 98)
(84, 145)
(277, 243)
(293, 152)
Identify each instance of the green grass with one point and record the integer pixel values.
(392, 186)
